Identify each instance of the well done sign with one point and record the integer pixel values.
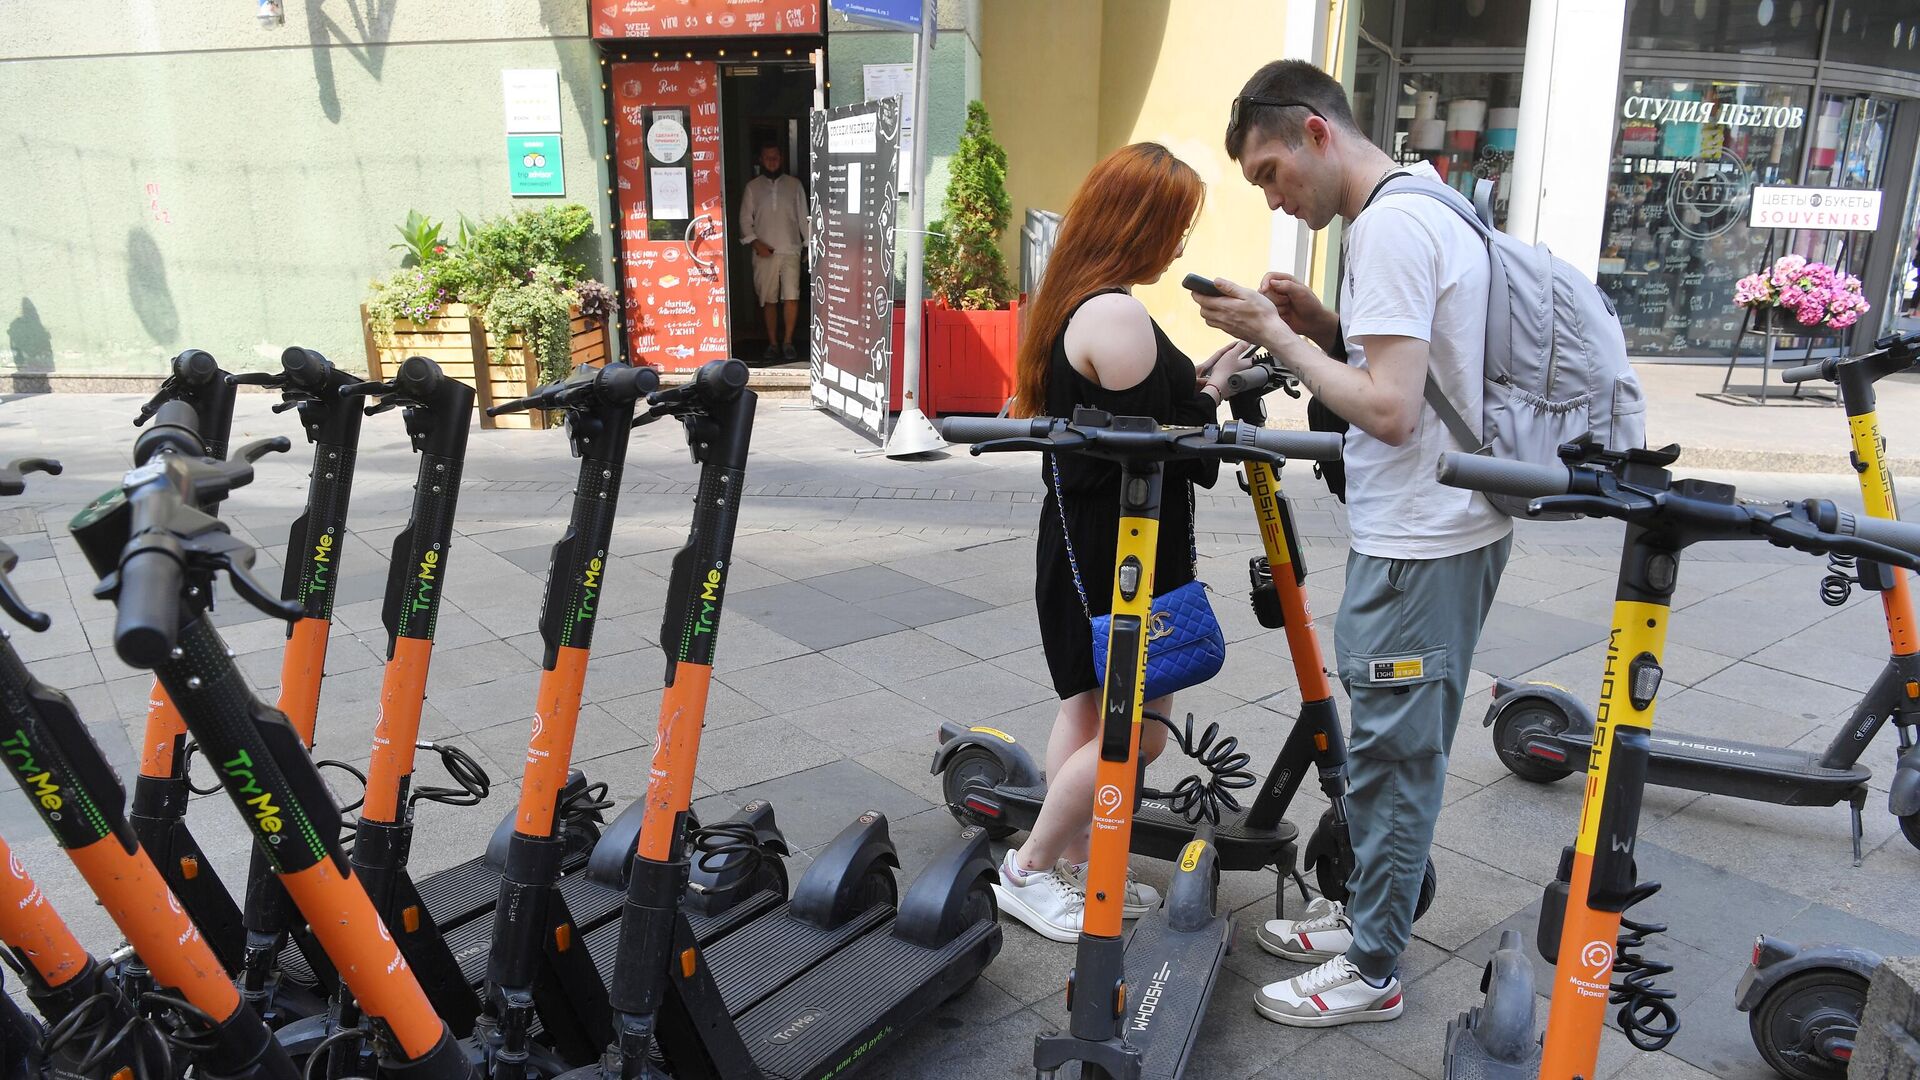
(1844, 209)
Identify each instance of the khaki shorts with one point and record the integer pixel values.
(776, 277)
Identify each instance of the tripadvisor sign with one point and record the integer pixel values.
(1729, 113)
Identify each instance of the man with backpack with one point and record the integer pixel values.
(1426, 558)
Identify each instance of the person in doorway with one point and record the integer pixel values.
(1426, 558)
(1088, 341)
(774, 222)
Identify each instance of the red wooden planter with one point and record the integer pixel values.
(970, 358)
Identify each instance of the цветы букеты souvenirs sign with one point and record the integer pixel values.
(704, 18)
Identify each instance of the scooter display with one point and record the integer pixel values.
(1542, 733)
(157, 554)
(1136, 1002)
(767, 987)
(990, 780)
(1582, 914)
(171, 994)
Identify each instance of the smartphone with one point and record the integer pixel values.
(1203, 286)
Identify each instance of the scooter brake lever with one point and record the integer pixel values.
(1025, 442)
(252, 589)
(11, 601)
(13, 476)
(259, 448)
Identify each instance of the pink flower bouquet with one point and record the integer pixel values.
(1817, 294)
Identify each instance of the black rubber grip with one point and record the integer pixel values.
(1254, 378)
(620, 385)
(196, 367)
(305, 368)
(1901, 535)
(973, 429)
(418, 378)
(1500, 476)
(1806, 373)
(1300, 445)
(149, 607)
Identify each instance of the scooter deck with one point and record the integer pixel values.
(822, 1022)
(1467, 1060)
(593, 906)
(1170, 979)
(603, 944)
(1159, 833)
(467, 890)
(1742, 770)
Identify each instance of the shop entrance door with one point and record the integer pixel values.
(673, 227)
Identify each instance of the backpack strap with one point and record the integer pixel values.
(1437, 398)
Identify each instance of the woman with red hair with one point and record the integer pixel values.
(1088, 342)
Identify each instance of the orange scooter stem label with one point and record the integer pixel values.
(402, 692)
(165, 728)
(683, 709)
(300, 671)
(136, 896)
(550, 749)
(29, 925)
(339, 913)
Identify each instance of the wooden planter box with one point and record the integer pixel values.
(458, 341)
(971, 358)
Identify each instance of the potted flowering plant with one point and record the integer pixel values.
(973, 317)
(1796, 295)
(499, 308)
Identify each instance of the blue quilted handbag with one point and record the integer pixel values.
(1184, 644)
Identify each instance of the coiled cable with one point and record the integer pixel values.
(1197, 799)
(474, 782)
(1842, 576)
(1646, 1011)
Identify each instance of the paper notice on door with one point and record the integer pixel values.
(668, 197)
(853, 187)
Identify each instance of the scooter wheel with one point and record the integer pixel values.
(1910, 828)
(1511, 731)
(1332, 864)
(1793, 1024)
(969, 767)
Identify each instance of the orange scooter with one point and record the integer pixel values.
(78, 795)
(157, 554)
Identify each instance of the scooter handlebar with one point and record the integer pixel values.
(148, 617)
(978, 429)
(1298, 445)
(1808, 372)
(1500, 476)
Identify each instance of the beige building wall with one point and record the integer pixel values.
(1070, 81)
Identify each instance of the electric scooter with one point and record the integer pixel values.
(990, 780)
(805, 988)
(1542, 733)
(157, 553)
(1582, 913)
(1136, 1002)
(171, 992)
(1804, 1002)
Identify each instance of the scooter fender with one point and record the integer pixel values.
(1903, 794)
(1195, 885)
(1020, 767)
(1504, 1027)
(934, 911)
(1775, 959)
(1510, 694)
(825, 896)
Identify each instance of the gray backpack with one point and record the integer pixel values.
(1556, 360)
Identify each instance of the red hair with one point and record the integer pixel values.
(1122, 228)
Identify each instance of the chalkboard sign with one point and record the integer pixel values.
(854, 189)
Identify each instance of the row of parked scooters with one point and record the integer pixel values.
(653, 945)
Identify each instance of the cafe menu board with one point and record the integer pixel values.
(619, 19)
(854, 187)
(666, 138)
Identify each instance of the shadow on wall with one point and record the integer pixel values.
(147, 288)
(366, 43)
(28, 338)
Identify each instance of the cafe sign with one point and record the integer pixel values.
(1728, 113)
(1843, 209)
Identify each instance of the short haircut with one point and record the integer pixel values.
(1288, 80)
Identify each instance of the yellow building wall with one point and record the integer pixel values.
(1090, 76)
(1040, 82)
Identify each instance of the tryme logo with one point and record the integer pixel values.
(795, 1027)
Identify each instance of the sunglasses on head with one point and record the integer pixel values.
(1233, 120)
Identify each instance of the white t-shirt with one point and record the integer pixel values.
(1414, 269)
(774, 210)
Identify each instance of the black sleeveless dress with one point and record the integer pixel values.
(1092, 507)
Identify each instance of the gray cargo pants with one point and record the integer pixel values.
(1404, 640)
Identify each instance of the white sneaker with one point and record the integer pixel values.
(1325, 933)
(1043, 899)
(1328, 996)
(1140, 899)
